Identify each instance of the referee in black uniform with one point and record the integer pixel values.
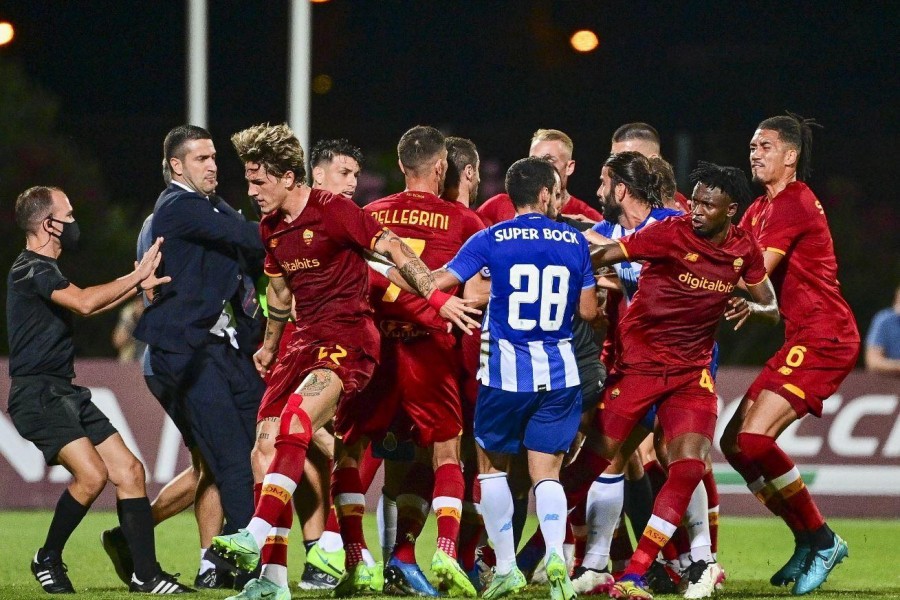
(59, 417)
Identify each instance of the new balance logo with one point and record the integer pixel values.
(506, 527)
(551, 517)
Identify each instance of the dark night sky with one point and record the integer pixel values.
(491, 70)
(494, 71)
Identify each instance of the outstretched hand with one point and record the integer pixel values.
(146, 268)
(457, 311)
(739, 309)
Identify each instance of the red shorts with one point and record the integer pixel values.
(352, 364)
(414, 393)
(686, 403)
(805, 373)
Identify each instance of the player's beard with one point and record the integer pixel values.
(612, 210)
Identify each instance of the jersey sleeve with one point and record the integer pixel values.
(271, 267)
(754, 267)
(651, 242)
(351, 224)
(587, 270)
(471, 258)
(785, 226)
(47, 278)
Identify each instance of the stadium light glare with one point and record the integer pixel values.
(7, 33)
(322, 84)
(584, 40)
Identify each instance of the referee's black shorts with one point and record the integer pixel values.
(51, 412)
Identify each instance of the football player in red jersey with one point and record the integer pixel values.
(315, 243)
(418, 378)
(821, 344)
(461, 185)
(335, 165)
(556, 147)
(693, 264)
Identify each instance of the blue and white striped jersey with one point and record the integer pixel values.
(629, 272)
(538, 268)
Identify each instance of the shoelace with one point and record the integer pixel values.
(58, 571)
(695, 570)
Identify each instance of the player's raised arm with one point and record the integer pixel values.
(420, 278)
(764, 304)
(606, 253)
(278, 301)
(99, 298)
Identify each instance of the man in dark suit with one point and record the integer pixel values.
(200, 327)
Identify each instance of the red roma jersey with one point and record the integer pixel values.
(793, 224)
(685, 286)
(496, 209)
(574, 206)
(499, 208)
(435, 229)
(321, 255)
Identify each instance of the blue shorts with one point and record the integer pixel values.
(649, 419)
(541, 421)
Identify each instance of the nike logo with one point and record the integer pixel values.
(829, 564)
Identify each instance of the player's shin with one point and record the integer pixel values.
(350, 504)
(669, 508)
(604, 505)
(497, 510)
(449, 488)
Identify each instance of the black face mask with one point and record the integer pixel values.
(68, 238)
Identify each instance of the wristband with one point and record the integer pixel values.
(438, 299)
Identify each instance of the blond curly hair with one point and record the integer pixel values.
(275, 147)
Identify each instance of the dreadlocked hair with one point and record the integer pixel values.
(797, 131)
(730, 180)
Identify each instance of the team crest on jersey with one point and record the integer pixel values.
(307, 236)
(615, 393)
(691, 257)
(273, 242)
(738, 263)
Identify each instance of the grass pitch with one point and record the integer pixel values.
(750, 550)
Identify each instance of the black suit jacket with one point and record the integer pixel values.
(208, 247)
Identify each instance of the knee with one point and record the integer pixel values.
(445, 453)
(130, 475)
(295, 427)
(754, 446)
(92, 481)
(690, 470)
(729, 441)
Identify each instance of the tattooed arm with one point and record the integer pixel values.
(420, 278)
(278, 300)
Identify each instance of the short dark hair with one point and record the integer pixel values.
(33, 206)
(526, 178)
(731, 181)
(633, 170)
(419, 146)
(460, 152)
(173, 145)
(796, 131)
(636, 131)
(274, 147)
(325, 151)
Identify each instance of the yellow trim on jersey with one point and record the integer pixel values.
(278, 274)
(776, 251)
(622, 246)
(795, 390)
(376, 237)
(758, 282)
